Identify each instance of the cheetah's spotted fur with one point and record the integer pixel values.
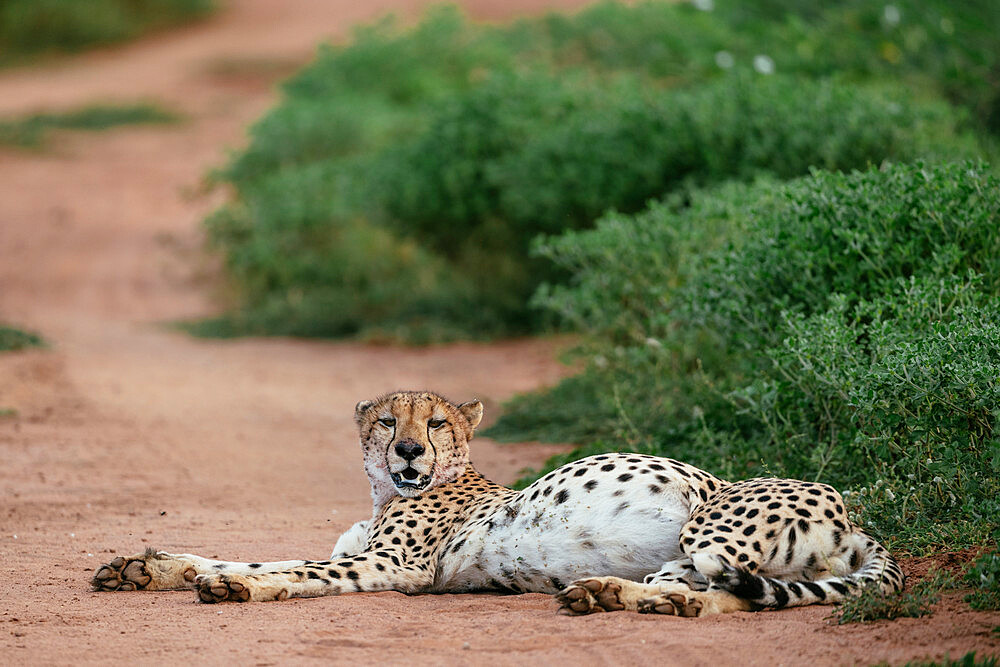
(589, 532)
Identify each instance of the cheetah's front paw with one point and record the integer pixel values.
(590, 595)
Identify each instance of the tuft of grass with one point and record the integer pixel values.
(32, 131)
(967, 660)
(874, 605)
(12, 339)
(8, 413)
(984, 576)
(29, 28)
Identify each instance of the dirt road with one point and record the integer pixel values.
(129, 435)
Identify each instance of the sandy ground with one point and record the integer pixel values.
(129, 435)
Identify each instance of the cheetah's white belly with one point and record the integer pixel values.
(543, 544)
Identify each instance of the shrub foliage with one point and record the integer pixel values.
(848, 329)
(431, 157)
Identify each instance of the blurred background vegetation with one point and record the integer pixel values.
(774, 226)
(33, 28)
(395, 191)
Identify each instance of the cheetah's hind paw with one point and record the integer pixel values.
(671, 604)
(221, 588)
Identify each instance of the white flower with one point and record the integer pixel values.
(763, 64)
(937, 480)
(724, 59)
(704, 5)
(891, 14)
(890, 495)
(652, 342)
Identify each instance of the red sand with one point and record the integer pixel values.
(131, 436)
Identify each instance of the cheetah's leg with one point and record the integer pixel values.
(616, 594)
(353, 541)
(680, 571)
(161, 571)
(382, 570)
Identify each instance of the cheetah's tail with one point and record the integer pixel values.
(878, 568)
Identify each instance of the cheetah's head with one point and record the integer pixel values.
(413, 441)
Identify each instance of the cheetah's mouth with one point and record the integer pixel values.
(409, 478)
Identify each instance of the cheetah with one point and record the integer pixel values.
(605, 533)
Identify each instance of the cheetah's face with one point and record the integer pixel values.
(413, 441)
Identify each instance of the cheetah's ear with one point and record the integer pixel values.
(360, 409)
(473, 411)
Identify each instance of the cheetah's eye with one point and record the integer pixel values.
(387, 421)
(436, 423)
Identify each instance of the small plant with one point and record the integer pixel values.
(967, 660)
(12, 339)
(984, 576)
(873, 605)
(33, 27)
(30, 131)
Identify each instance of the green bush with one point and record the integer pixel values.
(466, 141)
(848, 329)
(29, 27)
(519, 155)
(949, 47)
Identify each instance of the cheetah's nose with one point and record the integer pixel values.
(409, 450)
